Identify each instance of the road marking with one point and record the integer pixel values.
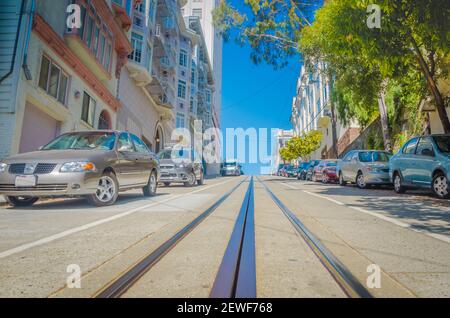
(377, 215)
(57, 236)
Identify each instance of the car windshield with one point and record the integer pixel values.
(229, 164)
(83, 141)
(443, 143)
(373, 156)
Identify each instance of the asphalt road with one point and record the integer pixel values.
(406, 236)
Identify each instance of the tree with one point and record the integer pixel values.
(301, 146)
(414, 37)
(286, 154)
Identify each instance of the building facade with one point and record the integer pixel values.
(135, 65)
(203, 9)
(61, 78)
(311, 110)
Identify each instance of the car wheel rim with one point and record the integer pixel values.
(153, 183)
(397, 183)
(440, 186)
(106, 189)
(361, 181)
(192, 178)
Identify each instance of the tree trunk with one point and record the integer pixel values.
(334, 146)
(384, 118)
(432, 86)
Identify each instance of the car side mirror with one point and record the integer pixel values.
(427, 152)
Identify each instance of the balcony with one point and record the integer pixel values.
(139, 73)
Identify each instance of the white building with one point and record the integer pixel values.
(203, 10)
(311, 110)
(281, 138)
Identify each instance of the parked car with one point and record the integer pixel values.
(180, 166)
(310, 171)
(302, 170)
(325, 171)
(95, 164)
(291, 171)
(365, 168)
(280, 169)
(231, 168)
(423, 162)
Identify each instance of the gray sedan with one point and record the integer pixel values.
(364, 167)
(179, 166)
(94, 164)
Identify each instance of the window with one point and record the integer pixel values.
(197, 13)
(139, 145)
(118, 2)
(443, 143)
(141, 7)
(151, 12)
(96, 35)
(183, 58)
(193, 75)
(182, 89)
(88, 109)
(104, 121)
(425, 144)
(137, 43)
(53, 80)
(180, 120)
(410, 147)
(208, 96)
(125, 141)
(191, 105)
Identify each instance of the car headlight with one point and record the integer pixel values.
(77, 166)
(3, 167)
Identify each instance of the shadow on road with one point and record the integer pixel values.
(81, 203)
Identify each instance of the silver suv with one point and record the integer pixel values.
(179, 166)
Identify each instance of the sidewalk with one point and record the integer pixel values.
(2, 200)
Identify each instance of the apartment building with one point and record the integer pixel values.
(311, 110)
(203, 10)
(56, 79)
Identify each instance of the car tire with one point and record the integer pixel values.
(167, 184)
(21, 202)
(191, 180)
(201, 181)
(441, 186)
(342, 182)
(360, 181)
(107, 191)
(325, 178)
(398, 184)
(150, 189)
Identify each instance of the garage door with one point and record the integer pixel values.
(37, 130)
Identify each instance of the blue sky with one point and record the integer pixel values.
(255, 95)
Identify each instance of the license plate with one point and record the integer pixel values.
(25, 181)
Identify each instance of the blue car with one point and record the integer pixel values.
(423, 162)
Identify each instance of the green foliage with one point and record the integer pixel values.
(302, 146)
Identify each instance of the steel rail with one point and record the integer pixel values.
(341, 274)
(236, 277)
(125, 281)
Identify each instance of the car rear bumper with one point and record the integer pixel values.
(53, 184)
